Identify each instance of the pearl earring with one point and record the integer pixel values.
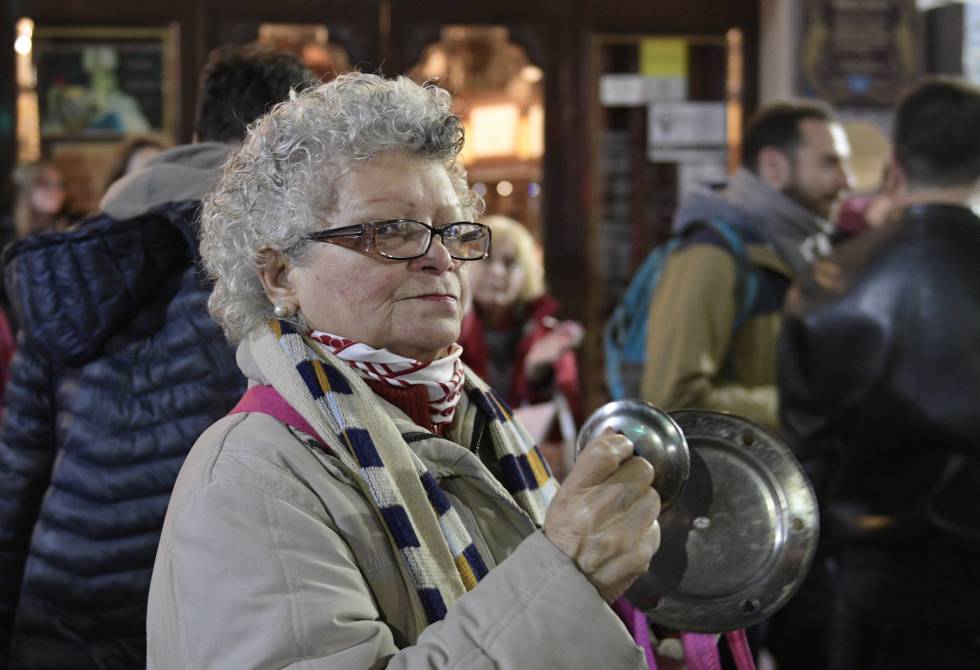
(282, 310)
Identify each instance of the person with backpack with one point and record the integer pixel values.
(118, 369)
(738, 251)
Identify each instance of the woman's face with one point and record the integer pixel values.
(496, 282)
(411, 308)
(48, 194)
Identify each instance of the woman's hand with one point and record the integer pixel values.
(543, 354)
(604, 516)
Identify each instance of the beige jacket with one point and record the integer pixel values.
(693, 361)
(271, 558)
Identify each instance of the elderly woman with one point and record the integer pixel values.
(371, 503)
(511, 337)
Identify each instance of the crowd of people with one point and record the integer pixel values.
(260, 406)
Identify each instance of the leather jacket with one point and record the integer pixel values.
(879, 380)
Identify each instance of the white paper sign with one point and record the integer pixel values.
(622, 90)
(673, 124)
(718, 156)
(971, 42)
(635, 90)
(666, 88)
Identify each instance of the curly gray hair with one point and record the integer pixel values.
(274, 189)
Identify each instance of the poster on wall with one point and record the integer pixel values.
(859, 51)
(971, 42)
(686, 124)
(104, 83)
(664, 63)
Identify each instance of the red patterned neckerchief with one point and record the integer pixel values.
(442, 378)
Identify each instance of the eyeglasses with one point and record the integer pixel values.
(405, 239)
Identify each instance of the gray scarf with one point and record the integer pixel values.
(798, 235)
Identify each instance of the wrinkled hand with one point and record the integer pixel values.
(604, 516)
(546, 351)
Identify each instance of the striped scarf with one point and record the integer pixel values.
(437, 555)
(442, 379)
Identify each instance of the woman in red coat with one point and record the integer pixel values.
(511, 336)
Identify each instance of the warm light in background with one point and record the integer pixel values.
(532, 74)
(504, 130)
(530, 143)
(498, 92)
(25, 32)
(22, 45)
(734, 82)
(311, 42)
(28, 118)
(492, 130)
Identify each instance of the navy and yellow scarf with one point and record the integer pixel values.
(437, 554)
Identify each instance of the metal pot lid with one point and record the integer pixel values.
(655, 436)
(739, 540)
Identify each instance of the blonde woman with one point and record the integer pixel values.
(511, 336)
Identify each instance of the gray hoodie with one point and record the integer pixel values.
(761, 214)
(186, 172)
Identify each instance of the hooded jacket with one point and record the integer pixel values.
(695, 358)
(183, 173)
(119, 368)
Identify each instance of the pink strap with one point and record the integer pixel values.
(266, 399)
(700, 651)
(638, 627)
(738, 644)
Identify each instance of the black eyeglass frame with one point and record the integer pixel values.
(368, 231)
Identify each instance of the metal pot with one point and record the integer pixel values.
(739, 521)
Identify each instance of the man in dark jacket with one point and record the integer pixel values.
(119, 368)
(880, 393)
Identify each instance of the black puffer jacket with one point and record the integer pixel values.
(119, 369)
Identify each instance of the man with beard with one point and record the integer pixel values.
(795, 165)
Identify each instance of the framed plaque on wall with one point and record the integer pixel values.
(859, 52)
(88, 89)
(104, 83)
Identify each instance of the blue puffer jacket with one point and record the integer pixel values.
(119, 368)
